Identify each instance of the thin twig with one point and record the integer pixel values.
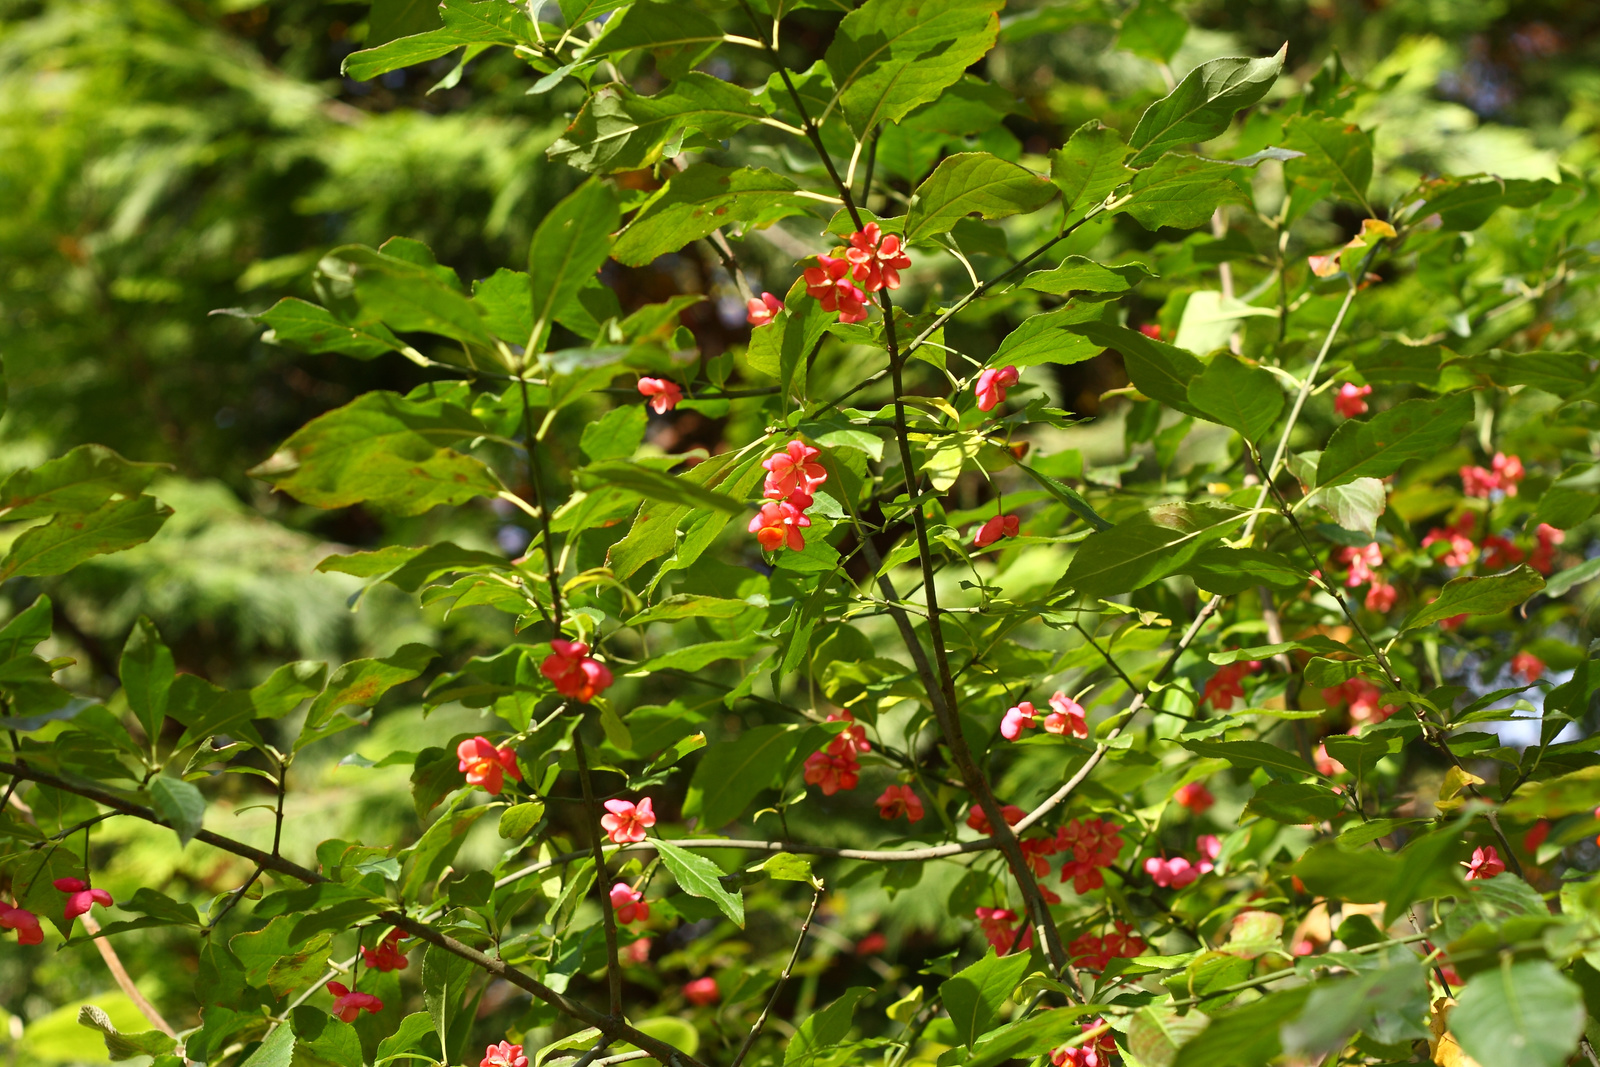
(608, 914)
(788, 969)
(124, 982)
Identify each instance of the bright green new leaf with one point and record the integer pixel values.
(699, 877)
(1203, 104)
(970, 183)
(386, 450)
(1377, 447)
(1210, 320)
(1485, 595)
(888, 56)
(518, 821)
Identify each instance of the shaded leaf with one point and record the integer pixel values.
(67, 540)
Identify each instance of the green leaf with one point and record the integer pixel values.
(825, 1029)
(1048, 338)
(1153, 30)
(207, 710)
(1160, 371)
(276, 1051)
(699, 877)
(413, 1029)
(888, 56)
(1562, 374)
(518, 821)
(1230, 571)
(970, 183)
(1088, 168)
(786, 867)
(619, 130)
(147, 671)
(1355, 505)
(1029, 1037)
(1068, 496)
(1564, 581)
(1156, 1034)
(1243, 1037)
(311, 328)
(1467, 203)
(732, 773)
(159, 906)
(1203, 104)
(400, 18)
(1523, 1014)
(505, 300)
(1146, 547)
(445, 977)
(1487, 595)
(679, 36)
(81, 481)
(1376, 448)
(383, 449)
(121, 1046)
(572, 241)
(616, 434)
(1294, 803)
(1367, 876)
(697, 201)
(1239, 396)
(1252, 754)
(406, 295)
(1337, 160)
(1184, 191)
(781, 347)
(1081, 274)
(1210, 319)
(655, 485)
(361, 683)
(180, 804)
(67, 540)
(974, 995)
(322, 1039)
(691, 606)
(439, 843)
(272, 959)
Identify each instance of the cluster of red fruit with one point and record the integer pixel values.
(1224, 687)
(80, 898)
(1179, 871)
(1093, 953)
(1066, 718)
(836, 766)
(1094, 844)
(793, 476)
(1094, 1052)
(574, 672)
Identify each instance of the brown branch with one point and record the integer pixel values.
(610, 1025)
(124, 982)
